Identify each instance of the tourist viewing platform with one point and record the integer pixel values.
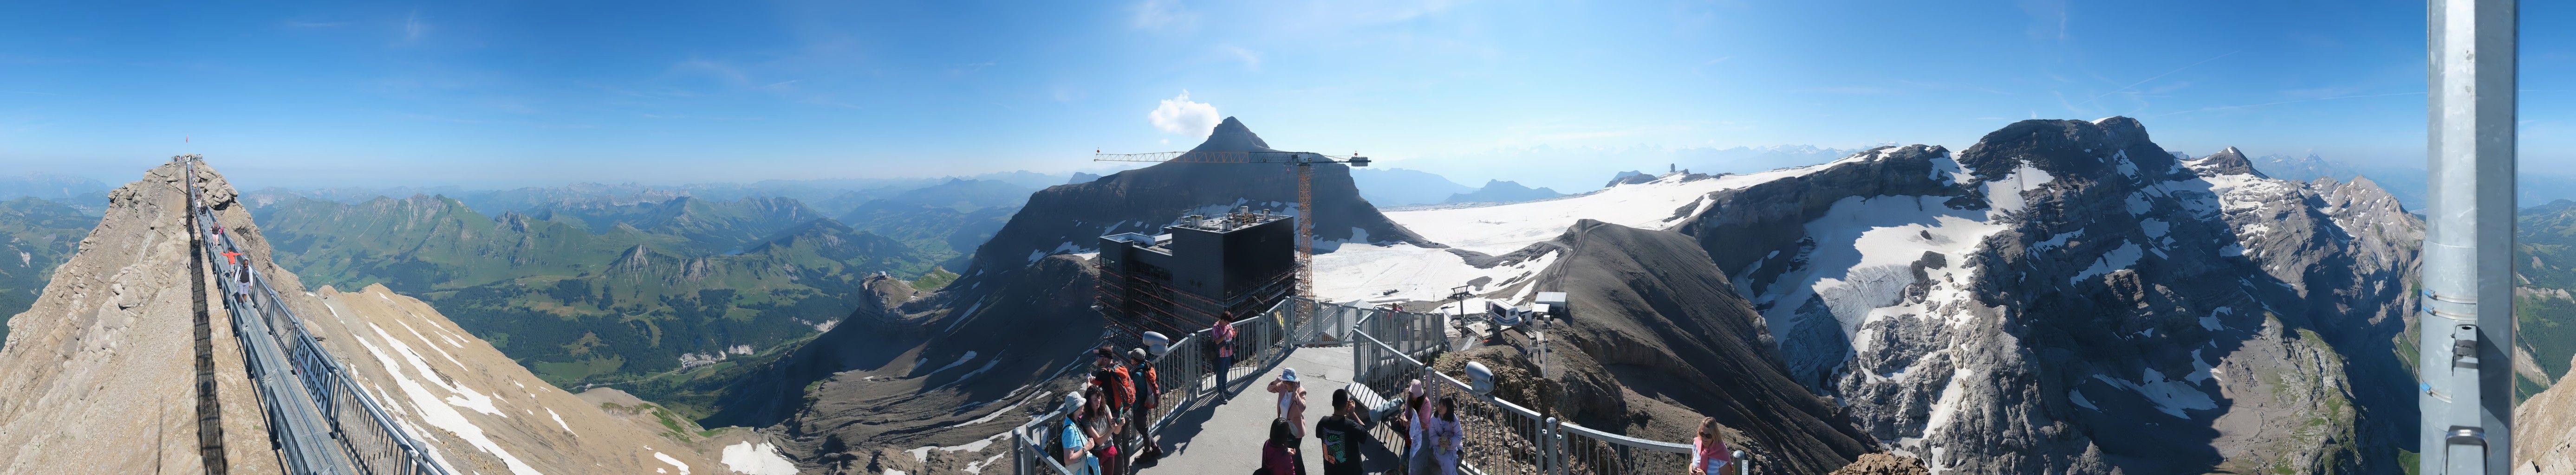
(1374, 353)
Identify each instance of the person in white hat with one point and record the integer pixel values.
(1292, 400)
(1078, 439)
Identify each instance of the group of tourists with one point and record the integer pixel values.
(1431, 445)
(1117, 403)
(1120, 399)
(236, 265)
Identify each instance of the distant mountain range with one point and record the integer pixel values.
(1499, 191)
(1400, 187)
(2534, 187)
(625, 282)
(1579, 169)
(833, 197)
(85, 195)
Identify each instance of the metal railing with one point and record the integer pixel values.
(320, 419)
(1187, 372)
(1389, 349)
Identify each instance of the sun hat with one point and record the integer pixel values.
(1288, 374)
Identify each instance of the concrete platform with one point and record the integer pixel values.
(1226, 437)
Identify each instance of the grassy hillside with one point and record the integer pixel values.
(2543, 304)
(606, 294)
(40, 235)
(708, 226)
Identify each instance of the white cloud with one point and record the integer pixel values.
(1180, 115)
(1162, 14)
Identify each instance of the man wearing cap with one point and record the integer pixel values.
(1292, 400)
(1149, 393)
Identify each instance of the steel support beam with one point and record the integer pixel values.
(2466, 319)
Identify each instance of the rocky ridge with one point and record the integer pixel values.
(111, 332)
(2013, 308)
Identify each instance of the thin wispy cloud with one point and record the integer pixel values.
(1850, 90)
(2134, 85)
(2048, 19)
(413, 28)
(721, 71)
(1251, 59)
(2293, 101)
(1161, 15)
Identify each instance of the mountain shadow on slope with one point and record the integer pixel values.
(1659, 337)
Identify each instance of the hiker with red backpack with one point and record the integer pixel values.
(1149, 393)
(1120, 391)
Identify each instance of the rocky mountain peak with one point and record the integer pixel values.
(2228, 161)
(2094, 150)
(1232, 136)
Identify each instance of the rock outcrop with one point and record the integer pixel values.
(2544, 433)
(1884, 464)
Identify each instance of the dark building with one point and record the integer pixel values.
(1177, 282)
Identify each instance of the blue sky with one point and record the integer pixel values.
(521, 93)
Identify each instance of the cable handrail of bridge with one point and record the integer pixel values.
(319, 418)
(1502, 436)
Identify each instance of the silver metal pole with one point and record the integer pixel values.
(2467, 319)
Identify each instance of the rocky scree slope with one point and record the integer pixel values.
(2067, 297)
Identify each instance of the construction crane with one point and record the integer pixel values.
(1303, 164)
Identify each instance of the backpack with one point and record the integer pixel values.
(1122, 390)
(1153, 386)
